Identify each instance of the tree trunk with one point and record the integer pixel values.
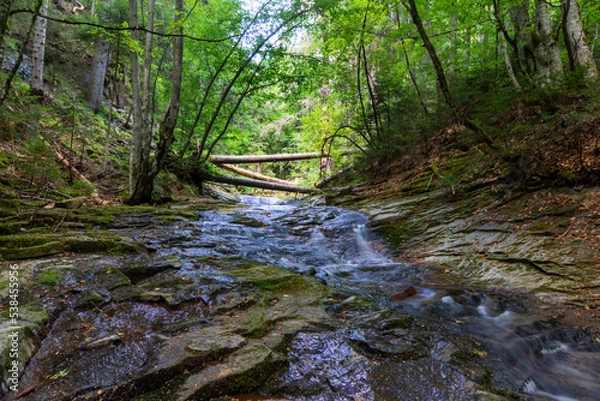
(523, 40)
(217, 159)
(322, 182)
(252, 174)
(396, 16)
(39, 49)
(441, 76)
(580, 55)
(140, 181)
(96, 85)
(437, 65)
(22, 49)
(595, 38)
(147, 171)
(413, 79)
(5, 9)
(508, 64)
(546, 51)
(247, 182)
(136, 95)
(166, 128)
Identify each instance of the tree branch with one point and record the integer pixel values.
(118, 28)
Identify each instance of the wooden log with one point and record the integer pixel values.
(247, 182)
(252, 174)
(59, 158)
(219, 159)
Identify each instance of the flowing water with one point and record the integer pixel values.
(383, 343)
(533, 356)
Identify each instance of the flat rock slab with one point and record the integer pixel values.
(204, 344)
(243, 371)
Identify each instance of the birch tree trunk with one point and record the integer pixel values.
(39, 49)
(508, 64)
(580, 55)
(98, 73)
(136, 99)
(547, 54)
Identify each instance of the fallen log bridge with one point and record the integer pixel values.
(252, 174)
(248, 182)
(220, 159)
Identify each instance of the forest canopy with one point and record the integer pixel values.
(358, 80)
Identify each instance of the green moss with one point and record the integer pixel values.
(89, 299)
(26, 246)
(487, 382)
(170, 215)
(538, 227)
(5, 159)
(268, 300)
(81, 188)
(462, 357)
(49, 277)
(8, 211)
(169, 283)
(403, 322)
(258, 325)
(103, 243)
(399, 232)
(36, 251)
(33, 313)
(10, 228)
(21, 241)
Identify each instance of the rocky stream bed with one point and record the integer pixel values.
(293, 300)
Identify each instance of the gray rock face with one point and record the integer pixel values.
(169, 334)
(525, 243)
(24, 71)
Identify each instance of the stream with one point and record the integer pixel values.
(387, 331)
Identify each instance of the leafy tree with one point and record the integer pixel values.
(143, 168)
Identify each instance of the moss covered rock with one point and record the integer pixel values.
(29, 246)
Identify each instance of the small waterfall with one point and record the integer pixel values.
(366, 252)
(532, 388)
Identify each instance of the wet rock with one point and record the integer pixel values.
(245, 370)
(151, 268)
(155, 296)
(101, 278)
(520, 244)
(323, 366)
(91, 299)
(24, 70)
(248, 221)
(409, 292)
(24, 339)
(421, 380)
(29, 246)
